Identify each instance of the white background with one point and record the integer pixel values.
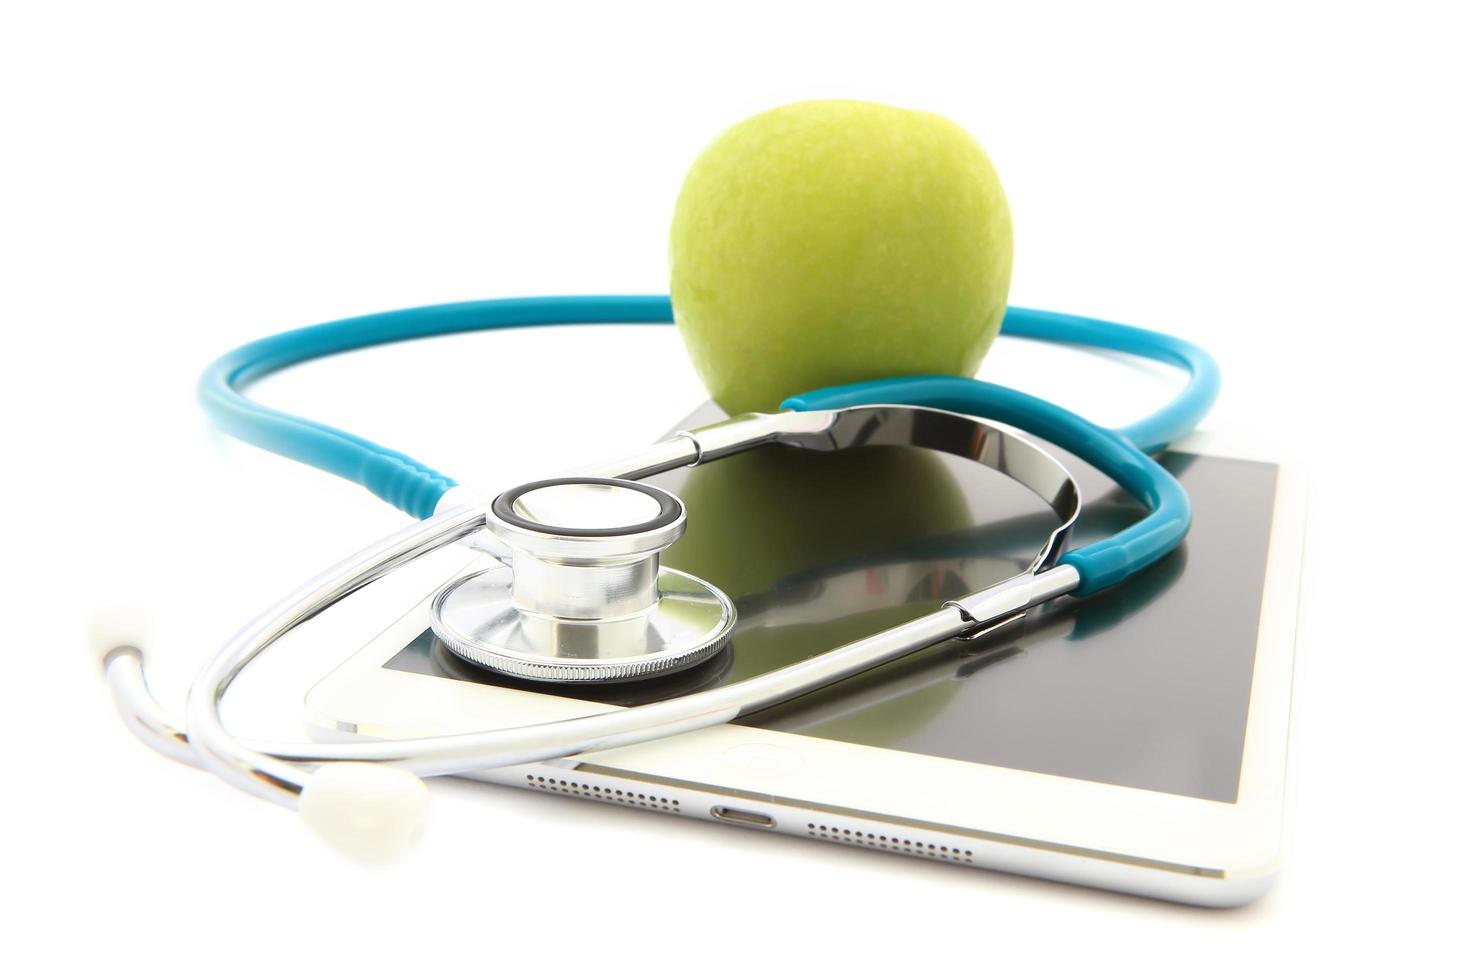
(1284, 184)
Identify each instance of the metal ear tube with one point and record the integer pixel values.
(581, 594)
(609, 562)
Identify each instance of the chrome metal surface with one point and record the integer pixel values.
(478, 619)
(488, 750)
(599, 507)
(992, 605)
(141, 712)
(987, 443)
(679, 450)
(449, 754)
(269, 775)
(586, 506)
(275, 771)
(584, 599)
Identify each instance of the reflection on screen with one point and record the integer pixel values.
(1146, 685)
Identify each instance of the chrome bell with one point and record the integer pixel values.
(583, 598)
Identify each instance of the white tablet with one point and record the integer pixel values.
(1135, 740)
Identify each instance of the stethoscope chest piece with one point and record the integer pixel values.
(583, 597)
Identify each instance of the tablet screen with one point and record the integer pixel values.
(1146, 685)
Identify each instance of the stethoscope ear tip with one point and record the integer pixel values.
(117, 626)
(369, 812)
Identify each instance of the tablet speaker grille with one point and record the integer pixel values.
(607, 794)
(885, 842)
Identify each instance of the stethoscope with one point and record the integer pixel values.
(579, 595)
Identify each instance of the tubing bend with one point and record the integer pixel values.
(472, 751)
(267, 776)
(159, 729)
(441, 755)
(140, 710)
(277, 771)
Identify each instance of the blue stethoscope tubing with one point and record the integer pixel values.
(1121, 454)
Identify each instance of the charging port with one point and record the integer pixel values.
(745, 818)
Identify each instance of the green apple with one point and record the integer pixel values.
(827, 242)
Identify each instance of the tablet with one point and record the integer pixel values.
(1134, 740)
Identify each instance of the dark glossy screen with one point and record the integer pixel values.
(1146, 685)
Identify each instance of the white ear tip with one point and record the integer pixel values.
(370, 812)
(116, 624)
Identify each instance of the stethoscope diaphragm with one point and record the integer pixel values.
(581, 597)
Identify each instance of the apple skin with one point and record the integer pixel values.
(827, 242)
